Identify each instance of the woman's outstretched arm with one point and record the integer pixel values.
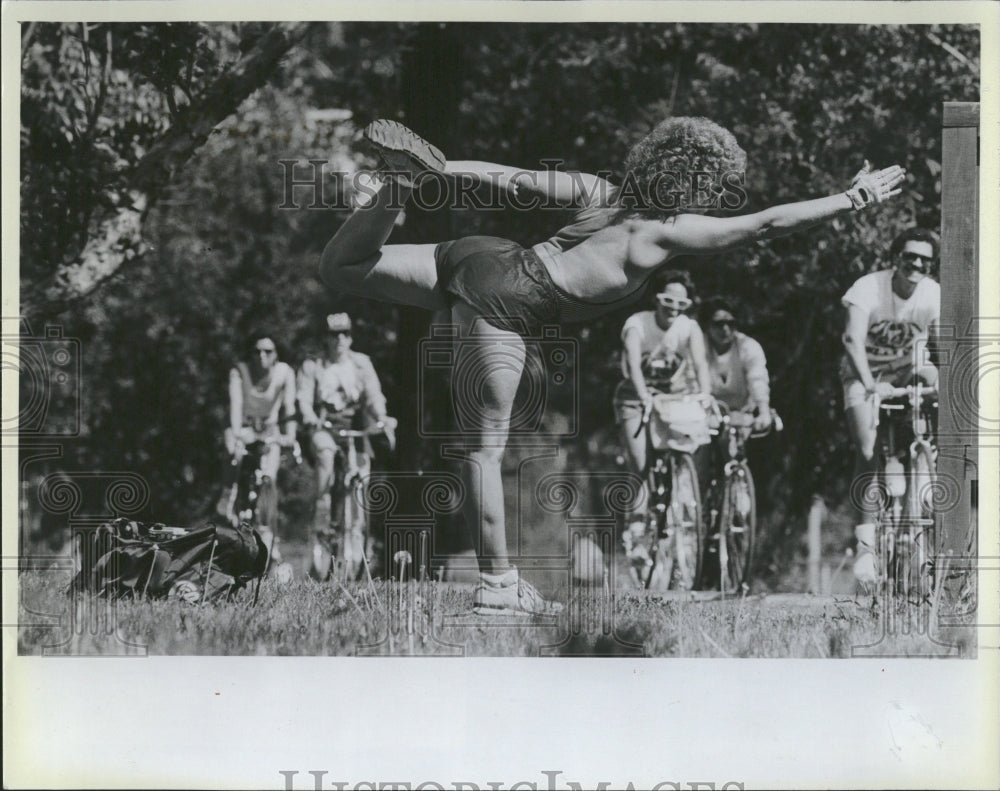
(695, 233)
(558, 186)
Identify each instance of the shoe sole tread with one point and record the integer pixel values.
(394, 136)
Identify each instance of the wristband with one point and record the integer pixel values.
(859, 199)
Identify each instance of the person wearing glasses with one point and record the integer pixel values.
(259, 391)
(498, 291)
(663, 349)
(339, 389)
(736, 363)
(891, 315)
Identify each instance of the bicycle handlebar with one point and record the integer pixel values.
(294, 447)
(389, 423)
(910, 393)
(745, 420)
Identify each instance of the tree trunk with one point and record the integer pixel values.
(116, 236)
(430, 102)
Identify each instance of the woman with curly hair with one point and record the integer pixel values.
(500, 293)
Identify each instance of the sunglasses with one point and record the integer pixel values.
(724, 323)
(914, 262)
(268, 352)
(670, 301)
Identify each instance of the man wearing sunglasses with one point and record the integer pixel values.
(890, 316)
(259, 390)
(342, 388)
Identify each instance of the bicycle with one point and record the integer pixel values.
(244, 498)
(733, 501)
(350, 542)
(674, 526)
(907, 473)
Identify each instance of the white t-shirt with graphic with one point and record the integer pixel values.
(672, 346)
(896, 343)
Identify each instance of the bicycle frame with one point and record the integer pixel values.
(667, 521)
(904, 533)
(737, 428)
(355, 478)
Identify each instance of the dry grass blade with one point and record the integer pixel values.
(714, 644)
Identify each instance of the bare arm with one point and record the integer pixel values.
(566, 189)
(695, 233)
(306, 392)
(697, 344)
(854, 344)
(633, 361)
(291, 427)
(235, 401)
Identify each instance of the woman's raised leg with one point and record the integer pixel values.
(357, 261)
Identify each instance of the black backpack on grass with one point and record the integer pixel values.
(124, 558)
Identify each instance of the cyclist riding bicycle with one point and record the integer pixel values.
(342, 390)
(891, 315)
(737, 368)
(664, 350)
(737, 365)
(740, 384)
(259, 391)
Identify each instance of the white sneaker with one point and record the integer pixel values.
(508, 594)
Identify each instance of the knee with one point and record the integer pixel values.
(324, 466)
(486, 456)
(866, 452)
(337, 268)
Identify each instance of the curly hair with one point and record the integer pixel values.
(255, 336)
(660, 167)
(914, 235)
(661, 280)
(713, 305)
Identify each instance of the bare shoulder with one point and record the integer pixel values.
(285, 372)
(361, 359)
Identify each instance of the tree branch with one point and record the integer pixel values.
(116, 238)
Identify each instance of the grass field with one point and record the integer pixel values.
(308, 618)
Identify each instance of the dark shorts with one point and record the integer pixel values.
(506, 283)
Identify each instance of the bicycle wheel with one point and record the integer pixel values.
(354, 531)
(920, 519)
(685, 524)
(652, 561)
(737, 529)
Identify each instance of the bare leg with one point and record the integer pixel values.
(635, 448)
(357, 261)
(859, 426)
(486, 413)
(865, 499)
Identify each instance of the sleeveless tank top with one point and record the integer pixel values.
(585, 223)
(260, 404)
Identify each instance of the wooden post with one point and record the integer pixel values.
(958, 422)
(814, 536)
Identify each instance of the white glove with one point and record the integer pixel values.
(874, 186)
